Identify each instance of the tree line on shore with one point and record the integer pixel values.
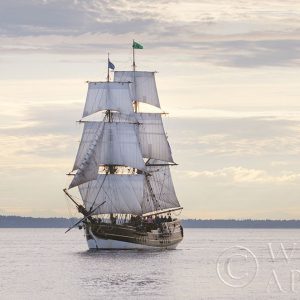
(30, 222)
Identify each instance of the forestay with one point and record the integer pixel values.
(122, 193)
(108, 96)
(143, 87)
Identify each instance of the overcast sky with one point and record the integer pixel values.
(228, 74)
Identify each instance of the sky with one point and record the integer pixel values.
(228, 74)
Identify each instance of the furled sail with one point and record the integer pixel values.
(151, 133)
(122, 193)
(159, 192)
(143, 85)
(108, 96)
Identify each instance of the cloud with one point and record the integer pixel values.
(235, 137)
(213, 54)
(71, 17)
(242, 175)
(253, 54)
(43, 133)
(39, 17)
(41, 136)
(220, 34)
(45, 118)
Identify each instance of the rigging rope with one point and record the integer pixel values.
(98, 192)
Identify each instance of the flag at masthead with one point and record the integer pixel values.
(135, 45)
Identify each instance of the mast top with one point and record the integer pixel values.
(108, 78)
(133, 57)
(110, 65)
(135, 45)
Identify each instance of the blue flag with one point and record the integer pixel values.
(111, 65)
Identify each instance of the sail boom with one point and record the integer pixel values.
(161, 165)
(163, 211)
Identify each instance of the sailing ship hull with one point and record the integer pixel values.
(108, 236)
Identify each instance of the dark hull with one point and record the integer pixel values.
(125, 236)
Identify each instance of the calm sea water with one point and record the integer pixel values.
(208, 264)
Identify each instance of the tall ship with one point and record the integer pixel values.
(122, 167)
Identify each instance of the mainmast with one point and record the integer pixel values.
(135, 108)
(133, 56)
(111, 168)
(135, 102)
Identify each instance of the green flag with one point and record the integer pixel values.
(136, 45)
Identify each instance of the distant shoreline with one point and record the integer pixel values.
(30, 222)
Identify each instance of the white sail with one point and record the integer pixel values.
(159, 192)
(108, 96)
(87, 172)
(151, 133)
(143, 85)
(86, 162)
(109, 144)
(152, 137)
(122, 193)
(134, 194)
(119, 146)
(125, 140)
(90, 136)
